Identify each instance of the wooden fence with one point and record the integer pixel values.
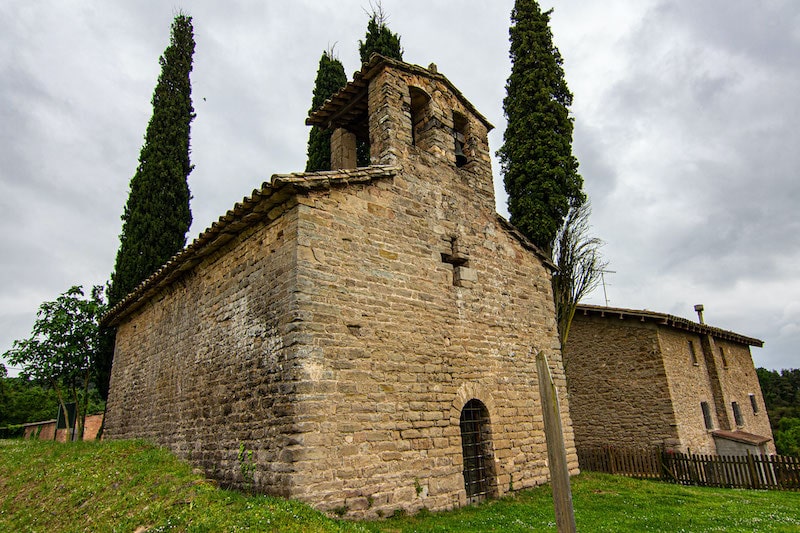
(749, 471)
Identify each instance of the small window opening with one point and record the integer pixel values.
(707, 415)
(753, 403)
(476, 446)
(724, 359)
(693, 353)
(419, 113)
(737, 414)
(460, 138)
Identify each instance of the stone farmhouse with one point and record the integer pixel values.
(360, 339)
(639, 379)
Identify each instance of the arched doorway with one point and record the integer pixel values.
(476, 447)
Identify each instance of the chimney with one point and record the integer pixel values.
(699, 309)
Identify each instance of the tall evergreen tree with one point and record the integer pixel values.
(540, 173)
(157, 215)
(378, 39)
(330, 78)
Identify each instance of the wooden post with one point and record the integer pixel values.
(556, 452)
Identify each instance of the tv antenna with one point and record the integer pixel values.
(603, 273)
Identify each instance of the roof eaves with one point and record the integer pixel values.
(740, 436)
(267, 202)
(322, 116)
(672, 321)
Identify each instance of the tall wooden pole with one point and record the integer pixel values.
(556, 452)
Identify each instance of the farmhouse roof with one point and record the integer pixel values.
(344, 107)
(741, 436)
(267, 202)
(664, 319)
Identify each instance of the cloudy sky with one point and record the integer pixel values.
(686, 119)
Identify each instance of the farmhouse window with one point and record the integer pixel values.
(753, 403)
(707, 415)
(693, 353)
(737, 414)
(476, 445)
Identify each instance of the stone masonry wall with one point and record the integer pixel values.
(693, 383)
(207, 365)
(400, 339)
(690, 385)
(739, 380)
(617, 384)
(397, 349)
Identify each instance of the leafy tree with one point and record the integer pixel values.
(330, 78)
(23, 401)
(63, 345)
(540, 173)
(781, 392)
(787, 437)
(580, 266)
(157, 215)
(379, 39)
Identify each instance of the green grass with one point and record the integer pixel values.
(133, 486)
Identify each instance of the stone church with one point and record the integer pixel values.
(360, 339)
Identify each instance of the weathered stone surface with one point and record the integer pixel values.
(338, 344)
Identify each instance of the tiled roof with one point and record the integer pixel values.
(351, 101)
(741, 436)
(667, 320)
(264, 203)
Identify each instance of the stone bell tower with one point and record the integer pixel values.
(408, 114)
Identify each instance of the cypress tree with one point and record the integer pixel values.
(330, 78)
(540, 173)
(157, 215)
(378, 39)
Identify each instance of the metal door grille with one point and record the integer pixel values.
(476, 447)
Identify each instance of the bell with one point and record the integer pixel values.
(461, 158)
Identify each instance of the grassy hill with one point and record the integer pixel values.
(132, 486)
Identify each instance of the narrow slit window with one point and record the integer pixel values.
(707, 415)
(722, 356)
(753, 403)
(737, 414)
(693, 353)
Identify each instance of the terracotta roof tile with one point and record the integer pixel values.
(741, 436)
